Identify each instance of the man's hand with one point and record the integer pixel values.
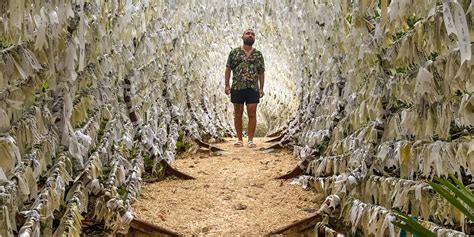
(261, 93)
(227, 90)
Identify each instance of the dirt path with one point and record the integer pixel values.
(234, 193)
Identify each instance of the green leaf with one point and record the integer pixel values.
(122, 190)
(466, 197)
(463, 189)
(450, 197)
(414, 225)
(45, 86)
(405, 227)
(349, 19)
(408, 228)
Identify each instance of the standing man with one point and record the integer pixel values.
(248, 67)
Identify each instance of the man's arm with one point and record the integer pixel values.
(261, 78)
(227, 80)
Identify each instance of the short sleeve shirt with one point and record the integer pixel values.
(245, 70)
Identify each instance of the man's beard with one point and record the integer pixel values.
(249, 41)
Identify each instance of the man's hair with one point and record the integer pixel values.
(248, 29)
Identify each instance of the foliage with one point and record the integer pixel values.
(407, 223)
(122, 191)
(412, 20)
(349, 18)
(103, 124)
(455, 193)
(148, 162)
(181, 145)
(45, 86)
(399, 35)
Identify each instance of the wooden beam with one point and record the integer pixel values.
(276, 139)
(174, 172)
(278, 145)
(208, 146)
(149, 229)
(298, 170)
(297, 227)
(277, 133)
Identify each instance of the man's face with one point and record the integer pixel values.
(248, 37)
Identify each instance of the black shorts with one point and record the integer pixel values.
(245, 96)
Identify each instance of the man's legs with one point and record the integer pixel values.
(238, 112)
(252, 114)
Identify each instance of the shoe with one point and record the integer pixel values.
(238, 143)
(251, 144)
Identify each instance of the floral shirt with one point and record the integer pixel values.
(245, 70)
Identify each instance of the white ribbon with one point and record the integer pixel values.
(457, 24)
(81, 36)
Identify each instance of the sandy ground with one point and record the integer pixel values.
(234, 194)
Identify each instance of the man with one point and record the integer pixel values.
(247, 66)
